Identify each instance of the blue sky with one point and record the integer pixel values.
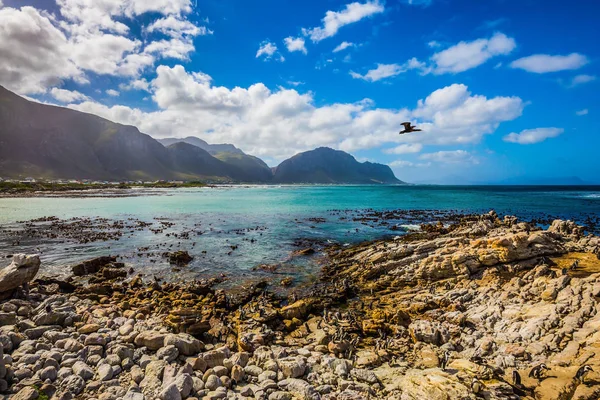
(503, 89)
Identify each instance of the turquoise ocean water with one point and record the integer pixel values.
(231, 230)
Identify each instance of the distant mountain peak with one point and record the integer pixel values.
(196, 141)
(330, 166)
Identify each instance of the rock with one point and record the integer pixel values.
(131, 395)
(428, 332)
(92, 266)
(27, 393)
(186, 344)
(216, 357)
(220, 371)
(74, 384)
(180, 258)
(72, 346)
(170, 393)
(113, 273)
(136, 374)
(48, 373)
(299, 388)
(565, 228)
(9, 318)
(88, 328)
(253, 370)
(299, 310)
(213, 382)
(168, 353)
(95, 339)
(82, 370)
(427, 384)
(364, 375)
(292, 367)
(105, 372)
(184, 384)
(151, 339)
(237, 373)
(21, 271)
(279, 395)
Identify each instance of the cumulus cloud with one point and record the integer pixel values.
(67, 96)
(295, 44)
(94, 16)
(112, 92)
(384, 71)
(583, 112)
(279, 123)
(39, 50)
(174, 48)
(34, 54)
(334, 20)
(177, 27)
(581, 79)
(467, 55)
(405, 149)
(531, 136)
(136, 84)
(544, 63)
(343, 46)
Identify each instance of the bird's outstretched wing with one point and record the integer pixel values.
(406, 125)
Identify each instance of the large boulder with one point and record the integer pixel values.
(22, 270)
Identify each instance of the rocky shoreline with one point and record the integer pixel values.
(438, 314)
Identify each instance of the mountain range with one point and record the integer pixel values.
(49, 142)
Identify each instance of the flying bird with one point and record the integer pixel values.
(408, 128)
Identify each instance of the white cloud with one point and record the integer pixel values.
(407, 164)
(34, 54)
(343, 46)
(295, 83)
(177, 27)
(39, 50)
(1, 5)
(434, 44)
(333, 20)
(67, 96)
(102, 53)
(295, 44)
(384, 71)
(531, 136)
(174, 48)
(581, 79)
(137, 84)
(583, 112)
(544, 63)
(467, 55)
(268, 50)
(405, 149)
(112, 92)
(278, 124)
(88, 16)
(450, 157)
